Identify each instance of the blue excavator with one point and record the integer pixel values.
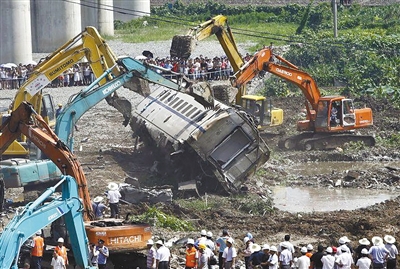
(37, 215)
(120, 235)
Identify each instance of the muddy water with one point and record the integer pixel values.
(310, 199)
(304, 199)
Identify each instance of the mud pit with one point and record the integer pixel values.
(109, 152)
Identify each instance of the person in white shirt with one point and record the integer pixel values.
(393, 252)
(93, 255)
(285, 257)
(209, 242)
(273, 261)
(303, 262)
(328, 261)
(151, 255)
(364, 262)
(229, 255)
(57, 262)
(289, 245)
(113, 196)
(344, 260)
(163, 256)
(203, 257)
(247, 251)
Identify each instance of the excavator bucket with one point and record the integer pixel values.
(225, 93)
(203, 93)
(182, 46)
(138, 85)
(122, 105)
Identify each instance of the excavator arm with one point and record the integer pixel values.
(47, 141)
(87, 44)
(89, 97)
(218, 26)
(36, 215)
(263, 61)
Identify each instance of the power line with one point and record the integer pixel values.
(238, 31)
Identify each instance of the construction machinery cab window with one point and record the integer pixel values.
(322, 114)
(349, 117)
(48, 107)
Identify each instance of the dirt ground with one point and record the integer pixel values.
(109, 154)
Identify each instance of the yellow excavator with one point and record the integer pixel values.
(88, 44)
(182, 46)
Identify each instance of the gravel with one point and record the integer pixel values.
(161, 49)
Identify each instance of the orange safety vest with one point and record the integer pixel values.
(62, 251)
(191, 257)
(37, 249)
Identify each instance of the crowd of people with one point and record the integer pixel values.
(205, 253)
(13, 76)
(80, 74)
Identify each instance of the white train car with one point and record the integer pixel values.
(225, 137)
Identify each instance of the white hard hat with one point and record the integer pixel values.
(329, 250)
(159, 242)
(303, 250)
(190, 241)
(310, 247)
(209, 234)
(203, 232)
(343, 240)
(246, 239)
(273, 248)
(265, 246)
(39, 232)
(364, 251)
(150, 242)
(60, 240)
(230, 240)
(389, 239)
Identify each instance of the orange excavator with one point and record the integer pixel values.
(119, 235)
(330, 122)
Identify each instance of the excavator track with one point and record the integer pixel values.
(310, 141)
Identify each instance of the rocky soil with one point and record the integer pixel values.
(109, 153)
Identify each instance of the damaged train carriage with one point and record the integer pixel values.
(197, 140)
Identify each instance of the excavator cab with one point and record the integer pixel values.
(265, 114)
(334, 114)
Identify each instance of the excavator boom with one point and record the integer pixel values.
(118, 235)
(87, 44)
(47, 141)
(264, 61)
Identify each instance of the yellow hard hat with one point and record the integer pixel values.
(59, 104)
(202, 246)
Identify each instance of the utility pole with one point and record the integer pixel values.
(334, 9)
